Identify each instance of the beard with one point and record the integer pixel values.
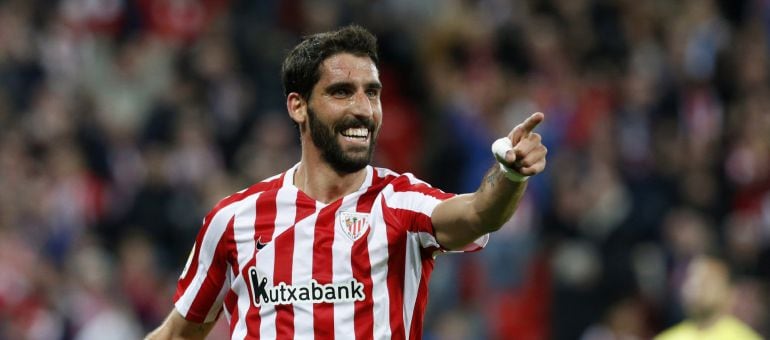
(325, 138)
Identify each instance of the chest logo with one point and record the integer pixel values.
(353, 224)
(312, 292)
(260, 244)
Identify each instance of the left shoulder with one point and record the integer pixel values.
(397, 184)
(399, 181)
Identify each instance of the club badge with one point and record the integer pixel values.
(354, 224)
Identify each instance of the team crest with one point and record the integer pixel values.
(354, 224)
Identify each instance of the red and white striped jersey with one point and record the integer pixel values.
(284, 266)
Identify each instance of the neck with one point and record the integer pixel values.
(316, 178)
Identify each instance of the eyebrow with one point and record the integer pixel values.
(346, 84)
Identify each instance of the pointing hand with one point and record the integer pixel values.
(523, 150)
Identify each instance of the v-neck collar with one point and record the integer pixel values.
(288, 181)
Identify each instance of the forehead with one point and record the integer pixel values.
(345, 67)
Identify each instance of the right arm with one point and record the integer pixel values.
(202, 281)
(175, 327)
(464, 218)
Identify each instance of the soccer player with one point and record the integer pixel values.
(333, 247)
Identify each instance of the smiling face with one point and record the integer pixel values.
(344, 113)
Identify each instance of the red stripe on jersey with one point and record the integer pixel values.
(231, 303)
(305, 207)
(216, 276)
(264, 225)
(252, 318)
(362, 271)
(284, 248)
(422, 299)
(284, 255)
(416, 221)
(232, 249)
(396, 268)
(366, 200)
(323, 313)
(231, 298)
(284, 245)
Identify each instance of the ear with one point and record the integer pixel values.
(297, 108)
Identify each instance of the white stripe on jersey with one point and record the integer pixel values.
(378, 258)
(383, 172)
(342, 270)
(244, 240)
(413, 201)
(206, 254)
(302, 271)
(412, 274)
(414, 180)
(266, 264)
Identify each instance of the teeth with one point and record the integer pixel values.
(357, 132)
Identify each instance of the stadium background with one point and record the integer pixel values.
(122, 122)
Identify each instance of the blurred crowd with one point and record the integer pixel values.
(122, 122)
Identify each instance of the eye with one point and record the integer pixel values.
(341, 92)
(373, 93)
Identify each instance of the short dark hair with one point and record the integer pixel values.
(300, 70)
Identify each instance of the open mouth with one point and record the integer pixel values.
(360, 134)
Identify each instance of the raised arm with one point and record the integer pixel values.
(175, 327)
(464, 218)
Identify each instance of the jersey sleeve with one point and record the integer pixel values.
(414, 202)
(202, 285)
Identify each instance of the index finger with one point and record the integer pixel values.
(532, 122)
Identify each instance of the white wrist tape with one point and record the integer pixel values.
(499, 148)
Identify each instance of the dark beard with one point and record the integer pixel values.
(325, 138)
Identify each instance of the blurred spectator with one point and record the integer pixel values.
(706, 295)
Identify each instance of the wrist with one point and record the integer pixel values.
(512, 175)
(499, 148)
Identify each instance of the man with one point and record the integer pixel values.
(333, 247)
(706, 294)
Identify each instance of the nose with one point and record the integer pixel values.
(361, 104)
